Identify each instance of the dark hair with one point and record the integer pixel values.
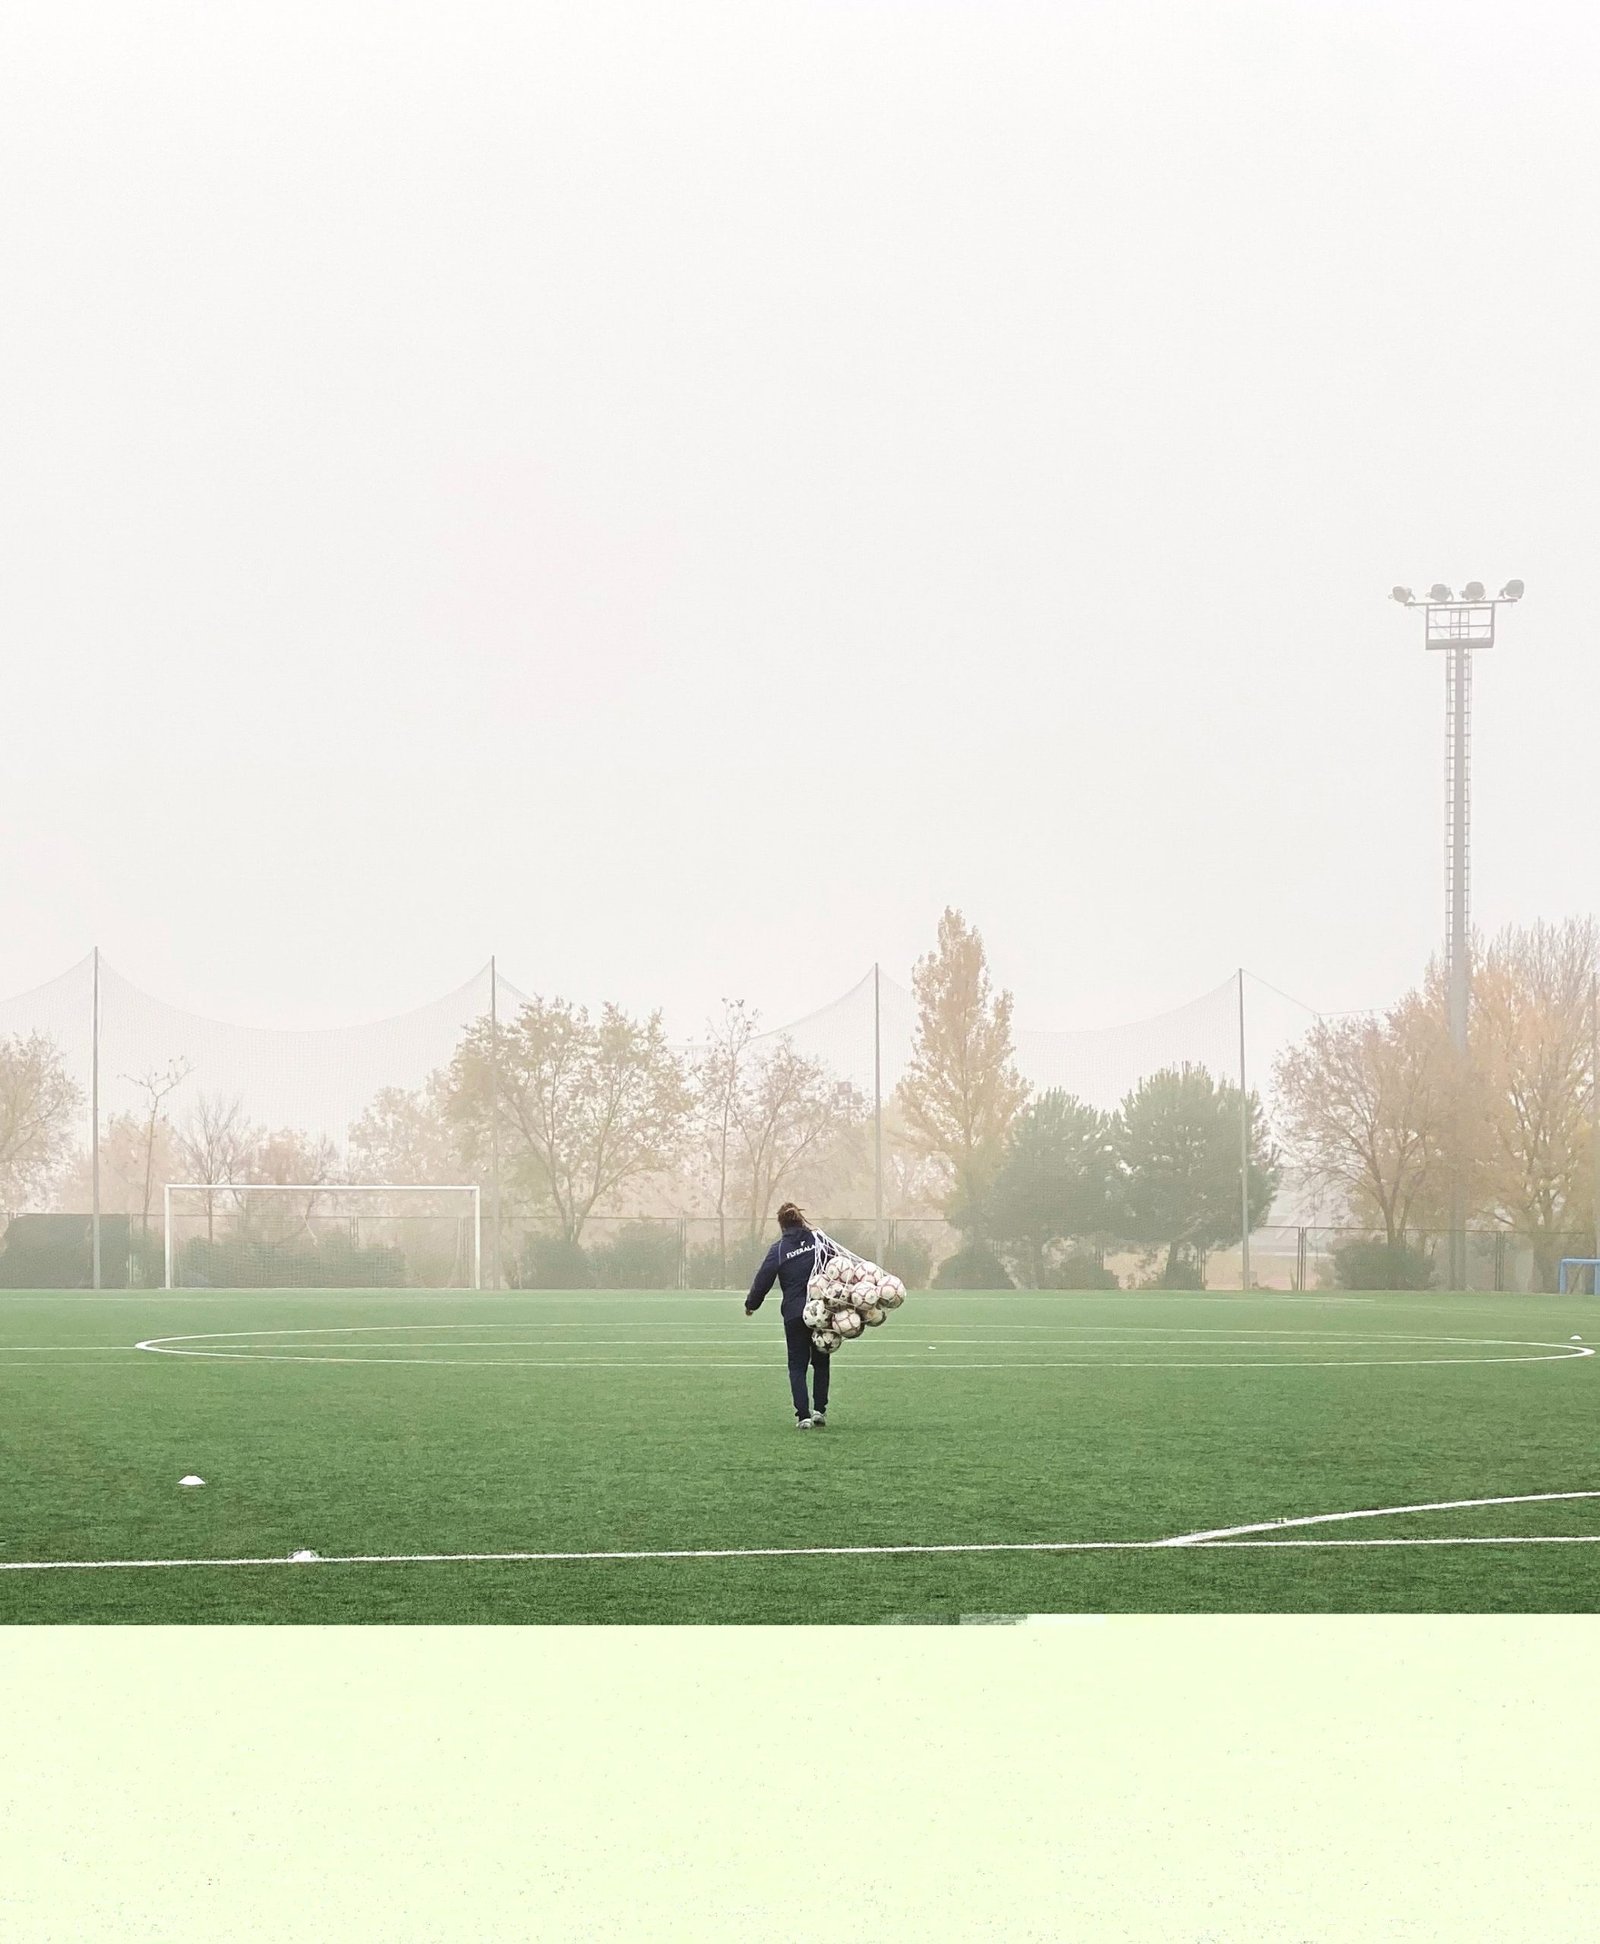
(790, 1217)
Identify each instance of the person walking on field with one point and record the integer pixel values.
(789, 1263)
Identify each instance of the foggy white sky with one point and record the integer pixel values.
(674, 494)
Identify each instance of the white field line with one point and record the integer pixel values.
(173, 1347)
(1380, 1512)
(1556, 1353)
(1225, 1538)
(579, 1298)
(1311, 1545)
(258, 1345)
(406, 1339)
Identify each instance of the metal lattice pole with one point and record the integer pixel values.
(1594, 1118)
(94, 1129)
(494, 1126)
(1458, 891)
(1244, 1152)
(1458, 624)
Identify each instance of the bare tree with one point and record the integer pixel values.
(790, 1114)
(157, 1084)
(721, 1081)
(290, 1157)
(1367, 1106)
(218, 1146)
(1533, 1051)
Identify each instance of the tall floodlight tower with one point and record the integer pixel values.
(1456, 625)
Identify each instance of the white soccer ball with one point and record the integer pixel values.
(815, 1313)
(873, 1315)
(826, 1340)
(892, 1297)
(847, 1323)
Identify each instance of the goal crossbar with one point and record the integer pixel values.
(337, 1189)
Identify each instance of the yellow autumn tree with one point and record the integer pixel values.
(1532, 1054)
(962, 1090)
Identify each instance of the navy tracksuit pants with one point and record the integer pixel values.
(804, 1355)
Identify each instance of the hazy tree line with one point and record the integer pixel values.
(598, 1116)
(1382, 1112)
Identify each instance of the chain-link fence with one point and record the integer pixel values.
(645, 1252)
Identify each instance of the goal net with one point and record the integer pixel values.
(321, 1235)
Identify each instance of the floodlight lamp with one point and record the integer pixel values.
(1473, 591)
(1439, 592)
(1512, 591)
(1401, 594)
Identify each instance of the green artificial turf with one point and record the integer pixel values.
(387, 1423)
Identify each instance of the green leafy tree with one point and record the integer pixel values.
(407, 1135)
(1177, 1139)
(586, 1106)
(1058, 1182)
(962, 1090)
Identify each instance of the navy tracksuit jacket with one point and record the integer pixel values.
(789, 1263)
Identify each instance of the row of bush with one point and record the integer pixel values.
(1357, 1265)
(647, 1255)
(308, 1262)
(57, 1252)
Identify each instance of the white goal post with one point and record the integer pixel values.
(364, 1234)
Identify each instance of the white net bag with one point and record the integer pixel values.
(847, 1295)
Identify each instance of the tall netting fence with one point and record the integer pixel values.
(461, 1094)
(202, 1103)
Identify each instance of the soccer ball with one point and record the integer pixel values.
(861, 1295)
(847, 1323)
(815, 1313)
(893, 1296)
(826, 1340)
(873, 1315)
